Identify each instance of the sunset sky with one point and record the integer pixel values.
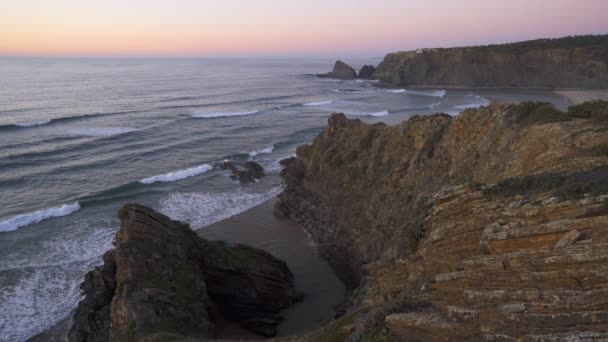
(184, 28)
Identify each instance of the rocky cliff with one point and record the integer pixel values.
(572, 62)
(485, 226)
(164, 282)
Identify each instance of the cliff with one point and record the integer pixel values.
(485, 226)
(572, 62)
(164, 282)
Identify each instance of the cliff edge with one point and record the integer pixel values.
(571, 62)
(485, 226)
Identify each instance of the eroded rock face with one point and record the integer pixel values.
(362, 190)
(367, 71)
(341, 71)
(560, 63)
(162, 279)
(409, 211)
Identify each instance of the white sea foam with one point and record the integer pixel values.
(434, 105)
(433, 93)
(208, 115)
(50, 273)
(320, 103)
(262, 151)
(203, 209)
(100, 131)
(177, 175)
(33, 123)
(377, 114)
(23, 220)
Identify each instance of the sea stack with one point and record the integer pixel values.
(367, 71)
(164, 282)
(341, 71)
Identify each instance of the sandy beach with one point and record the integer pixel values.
(260, 228)
(579, 96)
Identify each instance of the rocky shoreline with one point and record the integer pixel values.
(485, 226)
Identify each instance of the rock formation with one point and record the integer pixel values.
(572, 62)
(246, 173)
(164, 282)
(367, 71)
(341, 71)
(485, 226)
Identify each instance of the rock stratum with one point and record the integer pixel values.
(491, 225)
(571, 62)
(164, 282)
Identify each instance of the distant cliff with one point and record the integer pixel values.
(486, 226)
(572, 62)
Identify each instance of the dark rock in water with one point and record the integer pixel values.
(367, 71)
(162, 281)
(342, 71)
(92, 317)
(247, 173)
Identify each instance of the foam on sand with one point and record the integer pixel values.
(100, 131)
(262, 151)
(208, 115)
(177, 175)
(320, 103)
(203, 209)
(23, 220)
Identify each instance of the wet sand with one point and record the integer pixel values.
(260, 228)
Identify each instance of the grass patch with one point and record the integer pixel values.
(600, 149)
(528, 113)
(428, 149)
(565, 186)
(332, 332)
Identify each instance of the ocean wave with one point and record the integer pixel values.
(434, 105)
(433, 93)
(49, 276)
(320, 103)
(100, 131)
(376, 114)
(208, 115)
(177, 175)
(23, 220)
(33, 123)
(262, 151)
(203, 209)
(354, 91)
(484, 102)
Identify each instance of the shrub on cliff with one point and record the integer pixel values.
(527, 113)
(596, 110)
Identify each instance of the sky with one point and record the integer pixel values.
(279, 28)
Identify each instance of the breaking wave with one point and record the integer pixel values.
(177, 175)
(23, 220)
(208, 115)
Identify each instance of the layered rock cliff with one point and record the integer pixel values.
(572, 62)
(489, 225)
(164, 282)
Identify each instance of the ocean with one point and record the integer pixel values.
(79, 138)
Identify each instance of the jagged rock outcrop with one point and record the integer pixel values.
(341, 71)
(490, 224)
(163, 282)
(572, 62)
(246, 173)
(367, 71)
